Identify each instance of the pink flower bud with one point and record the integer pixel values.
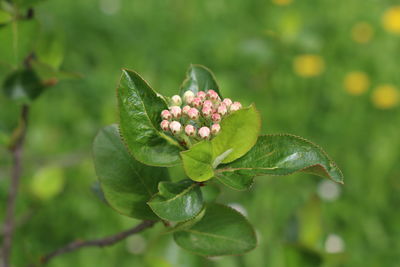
(216, 117)
(164, 125)
(215, 128)
(176, 100)
(190, 130)
(235, 106)
(166, 115)
(206, 111)
(185, 109)
(193, 113)
(197, 102)
(207, 103)
(222, 109)
(175, 111)
(227, 102)
(188, 96)
(212, 95)
(175, 127)
(201, 94)
(204, 132)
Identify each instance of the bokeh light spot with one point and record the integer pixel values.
(308, 65)
(356, 82)
(385, 96)
(334, 244)
(391, 20)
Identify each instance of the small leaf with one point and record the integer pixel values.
(23, 86)
(282, 154)
(222, 231)
(126, 183)
(199, 78)
(48, 182)
(177, 201)
(139, 109)
(238, 134)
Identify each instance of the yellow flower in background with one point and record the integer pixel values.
(391, 20)
(385, 96)
(308, 65)
(362, 32)
(356, 82)
(282, 2)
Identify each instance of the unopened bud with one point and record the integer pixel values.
(207, 111)
(227, 102)
(175, 111)
(222, 109)
(207, 103)
(201, 94)
(193, 114)
(215, 128)
(166, 115)
(176, 100)
(164, 125)
(235, 106)
(197, 102)
(188, 96)
(190, 130)
(185, 109)
(216, 117)
(204, 132)
(175, 127)
(212, 95)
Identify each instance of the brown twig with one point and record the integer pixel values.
(16, 149)
(107, 241)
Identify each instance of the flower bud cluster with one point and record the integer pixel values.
(196, 116)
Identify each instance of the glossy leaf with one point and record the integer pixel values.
(236, 181)
(282, 154)
(23, 86)
(139, 110)
(126, 183)
(239, 132)
(177, 201)
(199, 78)
(189, 223)
(222, 231)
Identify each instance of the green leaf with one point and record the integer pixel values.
(239, 132)
(177, 202)
(199, 78)
(127, 184)
(222, 231)
(139, 110)
(50, 51)
(187, 224)
(236, 181)
(210, 192)
(282, 154)
(23, 86)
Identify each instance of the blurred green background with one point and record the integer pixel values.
(325, 70)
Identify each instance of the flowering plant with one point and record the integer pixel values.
(216, 140)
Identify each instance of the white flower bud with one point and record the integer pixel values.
(193, 114)
(215, 128)
(164, 125)
(204, 132)
(216, 117)
(201, 94)
(188, 96)
(222, 109)
(175, 127)
(175, 111)
(207, 103)
(190, 130)
(227, 102)
(185, 109)
(176, 100)
(197, 102)
(166, 115)
(207, 111)
(235, 106)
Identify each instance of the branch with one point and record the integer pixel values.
(107, 241)
(16, 149)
